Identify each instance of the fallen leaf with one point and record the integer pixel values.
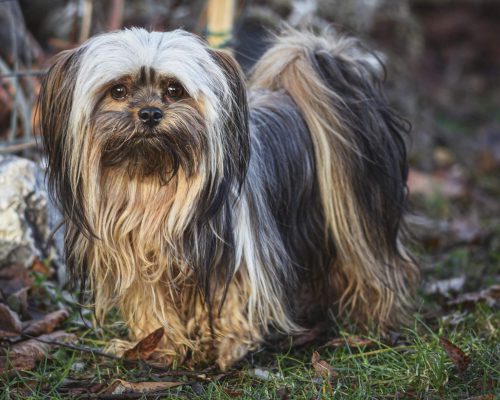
(323, 371)
(120, 386)
(143, 349)
(47, 324)
(13, 278)
(490, 296)
(321, 368)
(350, 341)
(24, 355)
(459, 358)
(17, 363)
(15, 272)
(10, 323)
(41, 268)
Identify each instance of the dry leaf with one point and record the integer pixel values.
(143, 349)
(10, 323)
(489, 296)
(47, 324)
(41, 268)
(321, 368)
(459, 358)
(24, 355)
(17, 363)
(13, 278)
(351, 341)
(120, 386)
(17, 273)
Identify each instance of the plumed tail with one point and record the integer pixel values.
(361, 168)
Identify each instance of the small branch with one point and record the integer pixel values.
(24, 73)
(86, 21)
(166, 371)
(14, 148)
(115, 20)
(84, 349)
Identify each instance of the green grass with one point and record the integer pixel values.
(415, 367)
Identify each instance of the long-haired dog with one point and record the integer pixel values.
(223, 210)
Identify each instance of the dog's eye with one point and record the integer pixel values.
(174, 90)
(118, 92)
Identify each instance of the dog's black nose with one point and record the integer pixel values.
(150, 115)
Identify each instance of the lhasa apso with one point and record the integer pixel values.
(221, 209)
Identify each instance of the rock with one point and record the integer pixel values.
(27, 217)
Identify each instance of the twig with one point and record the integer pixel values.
(116, 15)
(24, 73)
(53, 234)
(14, 148)
(86, 22)
(84, 349)
(379, 351)
(136, 395)
(166, 371)
(20, 102)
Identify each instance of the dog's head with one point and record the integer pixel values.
(149, 103)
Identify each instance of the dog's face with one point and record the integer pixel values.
(148, 123)
(149, 103)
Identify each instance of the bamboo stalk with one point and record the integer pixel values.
(86, 22)
(115, 20)
(220, 18)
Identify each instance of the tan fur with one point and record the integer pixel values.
(136, 267)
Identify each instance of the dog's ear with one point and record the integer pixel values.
(55, 104)
(235, 118)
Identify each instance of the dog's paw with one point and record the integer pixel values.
(230, 352)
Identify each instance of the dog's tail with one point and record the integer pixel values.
(361, 168)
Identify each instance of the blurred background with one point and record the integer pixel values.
(443, 75)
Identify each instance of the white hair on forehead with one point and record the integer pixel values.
(108, 57)
(178, 54)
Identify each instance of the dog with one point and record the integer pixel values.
(227, 210)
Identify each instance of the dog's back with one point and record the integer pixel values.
(347, 242)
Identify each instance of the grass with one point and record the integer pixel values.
(415, 367)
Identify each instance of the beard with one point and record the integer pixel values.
(152, 151)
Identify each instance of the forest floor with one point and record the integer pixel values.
(452, 350)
